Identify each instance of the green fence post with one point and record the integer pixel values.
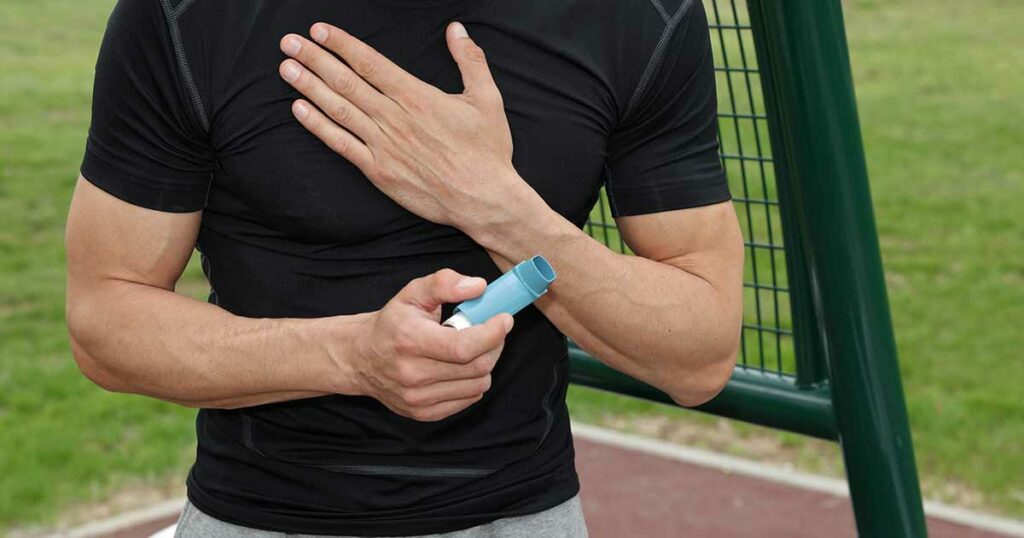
(816, 140)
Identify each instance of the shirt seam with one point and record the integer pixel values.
(658, 54)
(661, 10)
(171, 16)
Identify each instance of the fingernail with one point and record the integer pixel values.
(301, 110)
(291, 46)
(508, 324)
(290, 71)
(468, 282)
(319, 33)
(459, 30)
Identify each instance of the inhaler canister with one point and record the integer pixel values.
(510, 293)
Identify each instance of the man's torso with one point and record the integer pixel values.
(291, 229)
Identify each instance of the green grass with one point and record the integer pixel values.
(939, 85)
(63, 441)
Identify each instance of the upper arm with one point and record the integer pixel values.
(148, 162)
(148, 159)
(705, 241)
(665, 182)
(108, 239)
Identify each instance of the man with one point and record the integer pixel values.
(332, 402)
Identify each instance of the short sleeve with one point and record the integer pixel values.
(664, 154)
(146, 144)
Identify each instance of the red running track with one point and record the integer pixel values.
(627, 493)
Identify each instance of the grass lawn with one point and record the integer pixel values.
(939, 84)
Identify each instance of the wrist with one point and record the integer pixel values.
(521, 211)
(336, 348)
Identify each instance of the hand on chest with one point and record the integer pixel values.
(298, 187)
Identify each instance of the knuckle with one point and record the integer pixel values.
(404, 342)
(402, 346)
(461, 352)
(365, 67)
(386, 171)
(341, 113)
(446, 274)
(414, 103)
(341, 144)
(496, 339)
(406, 375)
(343, 83)
(409, 398)
(476, 54)
(388, 174)
(488, 363)
(419, 282)
(493, 97)
(485, 383)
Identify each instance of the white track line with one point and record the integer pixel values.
(127, 520)
(753, 469)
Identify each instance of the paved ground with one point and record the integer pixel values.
(629, 494)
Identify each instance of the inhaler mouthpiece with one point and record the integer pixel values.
(510, 293)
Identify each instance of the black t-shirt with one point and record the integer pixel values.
(189, 113)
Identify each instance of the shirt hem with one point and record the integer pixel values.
(214, 508)
(643, 202)
(99, 173)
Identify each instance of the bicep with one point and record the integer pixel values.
(705, 241)
(108, 239)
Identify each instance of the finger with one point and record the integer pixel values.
(443, 410)
(337, 107)
(443, 287)
(477, 340)
(338, 139)
(369, 64)
(446, 391)
(480, 366)
(423, 370)
(476, 74)
(335, 73)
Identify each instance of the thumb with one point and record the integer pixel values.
(443, 287)
(476, 75)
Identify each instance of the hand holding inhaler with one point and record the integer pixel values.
(510, 293)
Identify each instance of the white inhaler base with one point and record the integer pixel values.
(458, 322)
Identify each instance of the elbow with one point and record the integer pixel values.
(93, 370)
(81, 337)
(703, 385)
(700, 385)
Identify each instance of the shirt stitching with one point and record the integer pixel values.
(182, 7)
(661, 10)
(657, 55)
(171, 14)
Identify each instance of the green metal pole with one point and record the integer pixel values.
(816, 139)
(759, 398)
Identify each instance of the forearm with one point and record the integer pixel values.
(667, 325)
(130, 337)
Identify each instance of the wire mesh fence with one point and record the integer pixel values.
(766, 340)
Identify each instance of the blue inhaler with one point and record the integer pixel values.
(510, 293)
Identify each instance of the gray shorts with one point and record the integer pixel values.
(562, 521)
